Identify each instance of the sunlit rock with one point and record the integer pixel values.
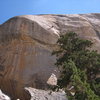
(26, 44)
(37, 94)
(3, 96)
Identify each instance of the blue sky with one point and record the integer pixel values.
(10, 8)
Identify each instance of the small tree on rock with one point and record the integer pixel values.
(79, 66)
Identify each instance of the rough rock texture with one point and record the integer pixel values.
(37, 94)
(52, 80)
(26, 43)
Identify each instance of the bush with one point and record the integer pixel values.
(79, 66)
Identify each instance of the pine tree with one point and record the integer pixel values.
(79, 66)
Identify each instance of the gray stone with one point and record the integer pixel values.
(37, 94)
(3, 96)
(26, 43)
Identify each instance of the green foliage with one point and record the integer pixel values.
(79, 67)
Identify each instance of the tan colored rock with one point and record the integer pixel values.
(26, 43)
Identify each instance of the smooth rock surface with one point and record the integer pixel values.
(37, 94)
(26, 43)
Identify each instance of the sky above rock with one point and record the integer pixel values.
(10, 8)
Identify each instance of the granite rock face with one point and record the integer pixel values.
(37, 94)
(26, 43)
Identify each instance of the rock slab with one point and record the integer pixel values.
(37, 94)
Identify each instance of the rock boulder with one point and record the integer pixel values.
(26, 43)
